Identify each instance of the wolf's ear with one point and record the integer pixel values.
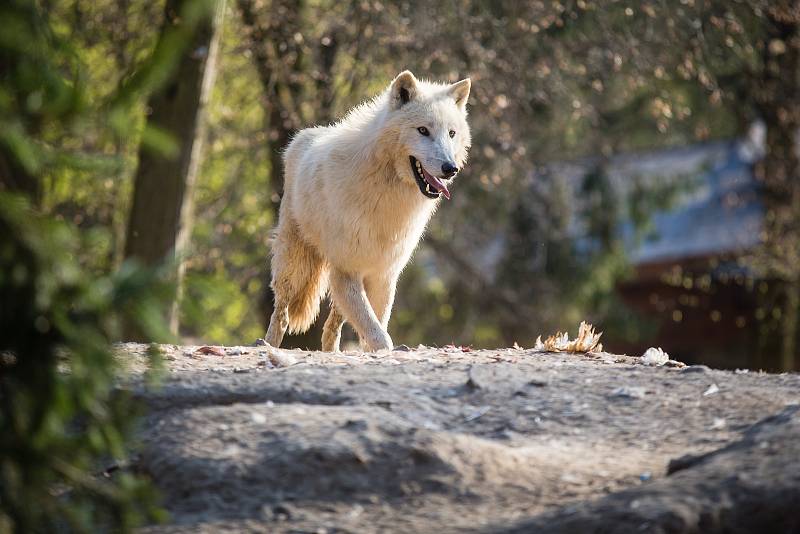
(404, 89)
(460, 92)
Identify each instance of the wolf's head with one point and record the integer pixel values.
(430, 121)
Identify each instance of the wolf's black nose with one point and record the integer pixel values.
(449, 169)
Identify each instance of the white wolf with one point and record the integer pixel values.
(357, 197)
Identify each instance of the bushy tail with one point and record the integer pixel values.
(299, 278)
(304, 308)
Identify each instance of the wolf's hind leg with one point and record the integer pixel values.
(299, 281)
(350, 298)
(278, 324)
(332, 331)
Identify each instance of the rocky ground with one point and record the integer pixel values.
(254, 439)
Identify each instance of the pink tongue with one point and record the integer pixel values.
(436, 183)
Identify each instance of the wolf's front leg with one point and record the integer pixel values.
(380, 291)
(351, 299)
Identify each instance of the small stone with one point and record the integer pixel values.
(206, 349)
(644, 477)
(713, 389)
(696, 369)
(654, 357)
(356, 511)
(719, 424)
(626, 392)
(477, 413)
(352, 424)
(472, 382)
(278, 512)
(536, 383)
(570, 478)
(402, 348)
(258, 418)
(259, 343)
(280, 358)
(431, 425)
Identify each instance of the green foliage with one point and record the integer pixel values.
(60, 415)
(62, 421)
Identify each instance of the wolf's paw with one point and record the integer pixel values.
(380, 341)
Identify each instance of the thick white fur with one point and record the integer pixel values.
(352, 213)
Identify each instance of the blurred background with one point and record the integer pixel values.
(634, 164)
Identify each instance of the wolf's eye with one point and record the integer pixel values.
(452, 133)
(424, 131)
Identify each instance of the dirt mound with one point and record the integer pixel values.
(450, 441)
(752, 485)
(270, 452)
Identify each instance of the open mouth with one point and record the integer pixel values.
(429, 185)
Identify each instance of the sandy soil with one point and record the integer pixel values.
(254, 439)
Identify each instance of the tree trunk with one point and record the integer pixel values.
(789, 327)
(777, 97)
(161, 214)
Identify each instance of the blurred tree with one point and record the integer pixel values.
(776, 91)
(161, 215)
(61, 422)
(743, 60)
(32, 95)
